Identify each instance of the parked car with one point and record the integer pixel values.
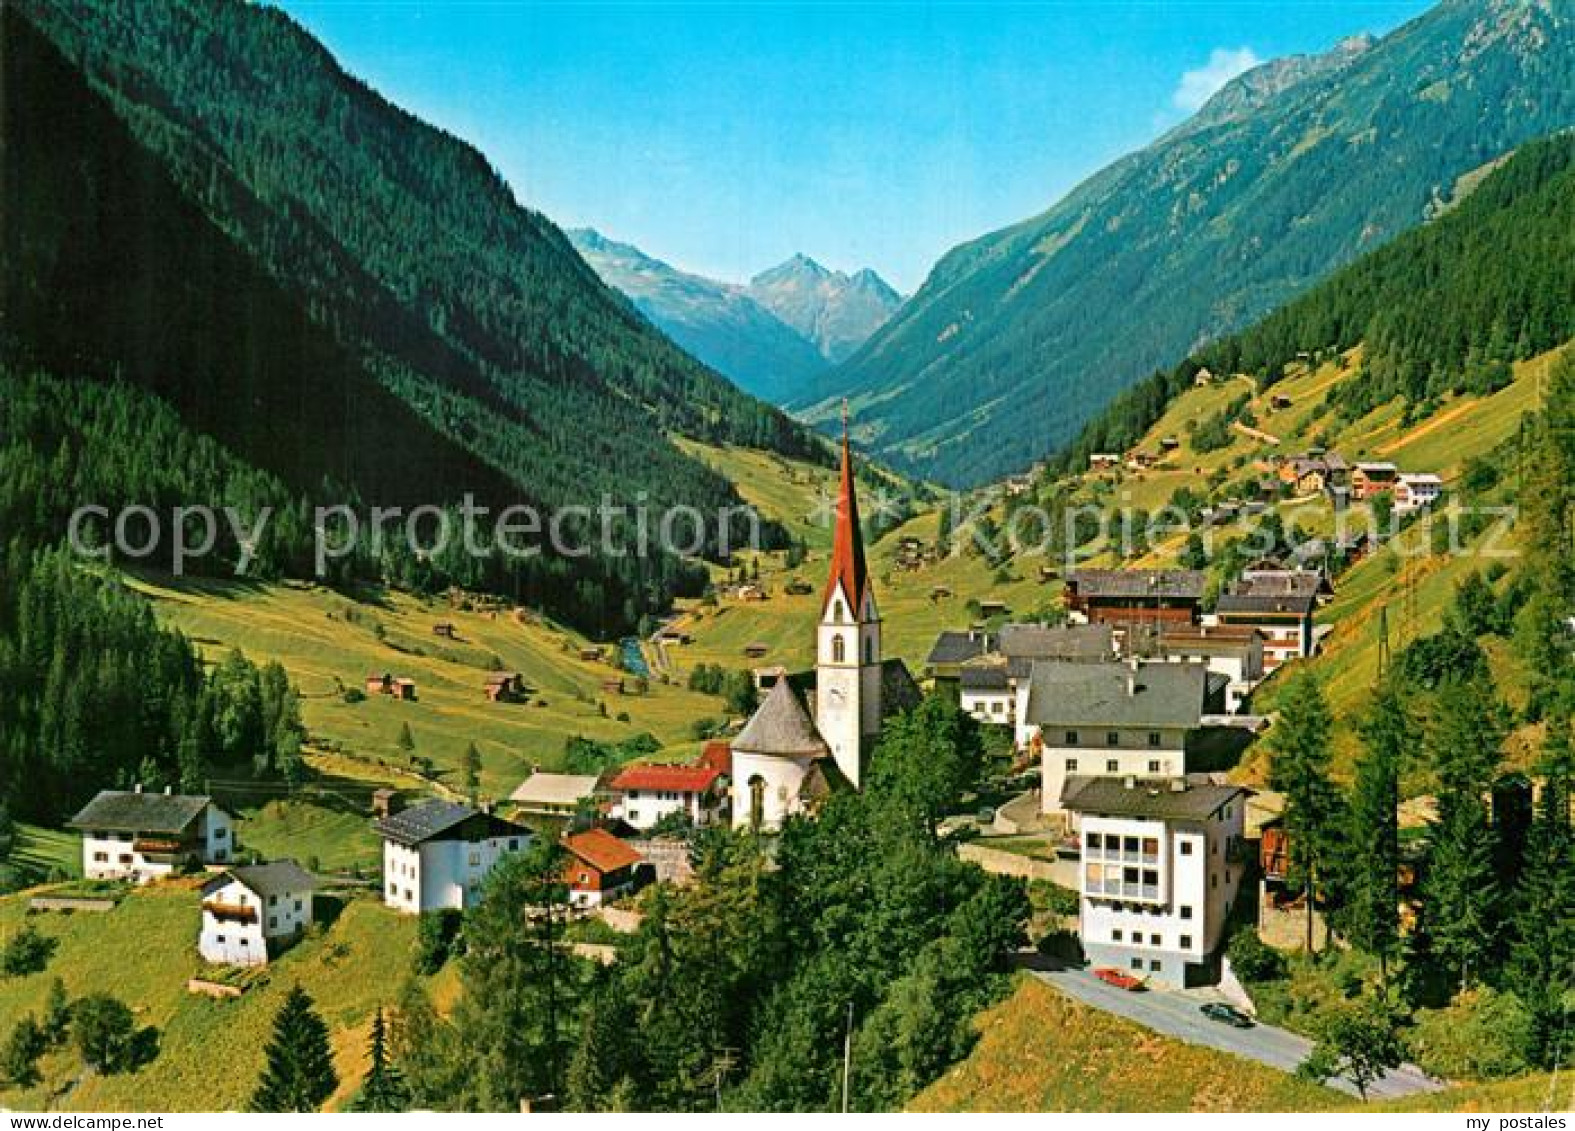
(1226, 1015)
(1118, 978)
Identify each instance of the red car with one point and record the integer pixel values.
(1118, 978)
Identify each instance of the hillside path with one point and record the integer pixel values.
(1175, 1013)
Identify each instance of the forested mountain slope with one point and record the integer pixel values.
(1020, 336)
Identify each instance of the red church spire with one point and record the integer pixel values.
(847, 547)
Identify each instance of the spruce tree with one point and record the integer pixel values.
(471, 764)
(384, 1088)
(1370, 918)
(300, 1072)
(1299, 769)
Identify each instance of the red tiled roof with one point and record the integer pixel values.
(717, 756)
(847, 548)
(692, 779)
(601, 850)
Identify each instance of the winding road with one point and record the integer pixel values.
(1175, 1013)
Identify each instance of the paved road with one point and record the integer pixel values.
(1175, 1013)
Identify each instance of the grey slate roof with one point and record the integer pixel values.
(983, 675)
(431, 819)
(781, 726)
(277, 878)
(1179, 584)
(1063, 693)
(1297, 604)
(1154, 799)
(125, 811)
(956, 647)
(1056, 642)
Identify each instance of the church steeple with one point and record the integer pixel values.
(848, 668)
(847, 545)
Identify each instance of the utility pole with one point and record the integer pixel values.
(847, 1059)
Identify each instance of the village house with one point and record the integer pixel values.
(132, 835)
(953, 649)
(1313, 474)
(554, 795)
(388, 684)
(436, 854)
(1161, 863)
(988, 684)
(1369, 480)
(1280, 605)
(251, 913)
(1233, 652)
(1109, 720)
(1416, 492)
(600, 868)
(505, 687)
(1101, 461)
(642, 796)
(1126, 596)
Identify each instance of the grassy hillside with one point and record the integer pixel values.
(210, 1052)
(1041, 1051)
(329, 643)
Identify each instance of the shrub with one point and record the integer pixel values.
(437, 932)
(1482, 1034)
(105, 1032)
(27, 953)
(1252, 959)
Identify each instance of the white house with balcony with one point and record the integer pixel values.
(645, 795)
(1161, 863)
(436, 854)
(133, 835)
(1110, 720)
(251, 913)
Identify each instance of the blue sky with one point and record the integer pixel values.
(725, 137)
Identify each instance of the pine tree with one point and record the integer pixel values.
(1299, 769)
(300, 1072)
(471, 764)
(57, 1013)
(1370, 917)
(384, 1088)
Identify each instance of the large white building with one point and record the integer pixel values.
(250, 913)
(436, 854)
(132, 835)
(791, 752)
(1161, 863)
(1110, 720)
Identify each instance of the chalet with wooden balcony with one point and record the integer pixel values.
(133, 835)
(250, 914)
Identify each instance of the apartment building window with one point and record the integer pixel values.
(1153, 765)
(1112, 766)
(273, 901)
(514, 843)
(1186, 942)
(1093, 840)
(273, 922)
(1153, 940)
(1071, 765)
(1153, 738)
(1186, 848)
(1137, 964)
(1155, 965)
(393, 891)
(1112, 738)
(1115, 935)
(1186, 910)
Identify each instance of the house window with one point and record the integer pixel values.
(1112, 766)
(101, 857)
(1071, 765)
(1153, 940)
(514, 843)
(585, 877)
(219, 939)
(1112, 738)
(273, 901)
(1186, 848)
(298, 905)
(1115, 935)
(1093, 840)
(997, 707)
(273, 922)
(220, 833)
(1186, 942)
(393, 890)
(1153, 765)
(634, 795)
(634, 816)
(475, 859)
(1155, 965)
(1153, 738)
(1137, 964)
(1186, 910)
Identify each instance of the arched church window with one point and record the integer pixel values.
(757, 802)
(839, 651)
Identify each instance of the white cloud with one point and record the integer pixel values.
(1198, 86)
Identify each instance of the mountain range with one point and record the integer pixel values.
(771, 335)
(1290, 171)
(201, 203)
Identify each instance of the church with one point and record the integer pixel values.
(813, 732)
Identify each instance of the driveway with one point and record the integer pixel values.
(1175, 1013)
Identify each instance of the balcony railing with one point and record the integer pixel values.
(235, 912)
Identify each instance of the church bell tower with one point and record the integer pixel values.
(847, 646)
